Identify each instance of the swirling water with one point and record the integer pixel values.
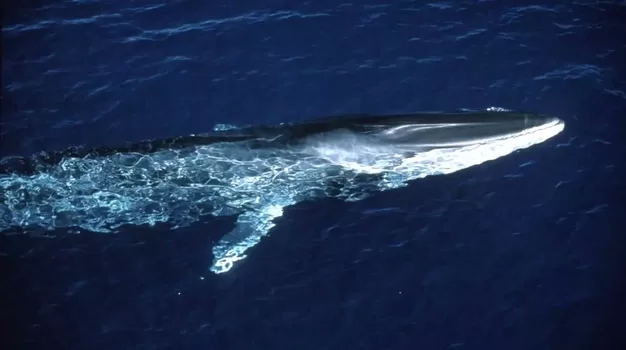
(522, 253)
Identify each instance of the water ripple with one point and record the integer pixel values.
(211, 24)
(573, 71)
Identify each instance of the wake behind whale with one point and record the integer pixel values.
(252, 172)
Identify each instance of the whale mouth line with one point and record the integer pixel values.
(241, 173)
(390, 134)
(556, 124)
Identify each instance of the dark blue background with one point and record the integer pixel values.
(497, 256)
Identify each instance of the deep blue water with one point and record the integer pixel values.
(525, 252)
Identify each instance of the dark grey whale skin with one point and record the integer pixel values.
(427, 130)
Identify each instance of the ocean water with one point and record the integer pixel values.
(525, 252)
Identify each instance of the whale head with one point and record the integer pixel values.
(421, 145)
(466, 130)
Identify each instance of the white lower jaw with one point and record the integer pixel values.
(389, 160)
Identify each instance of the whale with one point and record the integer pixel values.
(252, 172)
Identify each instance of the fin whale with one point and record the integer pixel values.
(252, 172)
(421, 130)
